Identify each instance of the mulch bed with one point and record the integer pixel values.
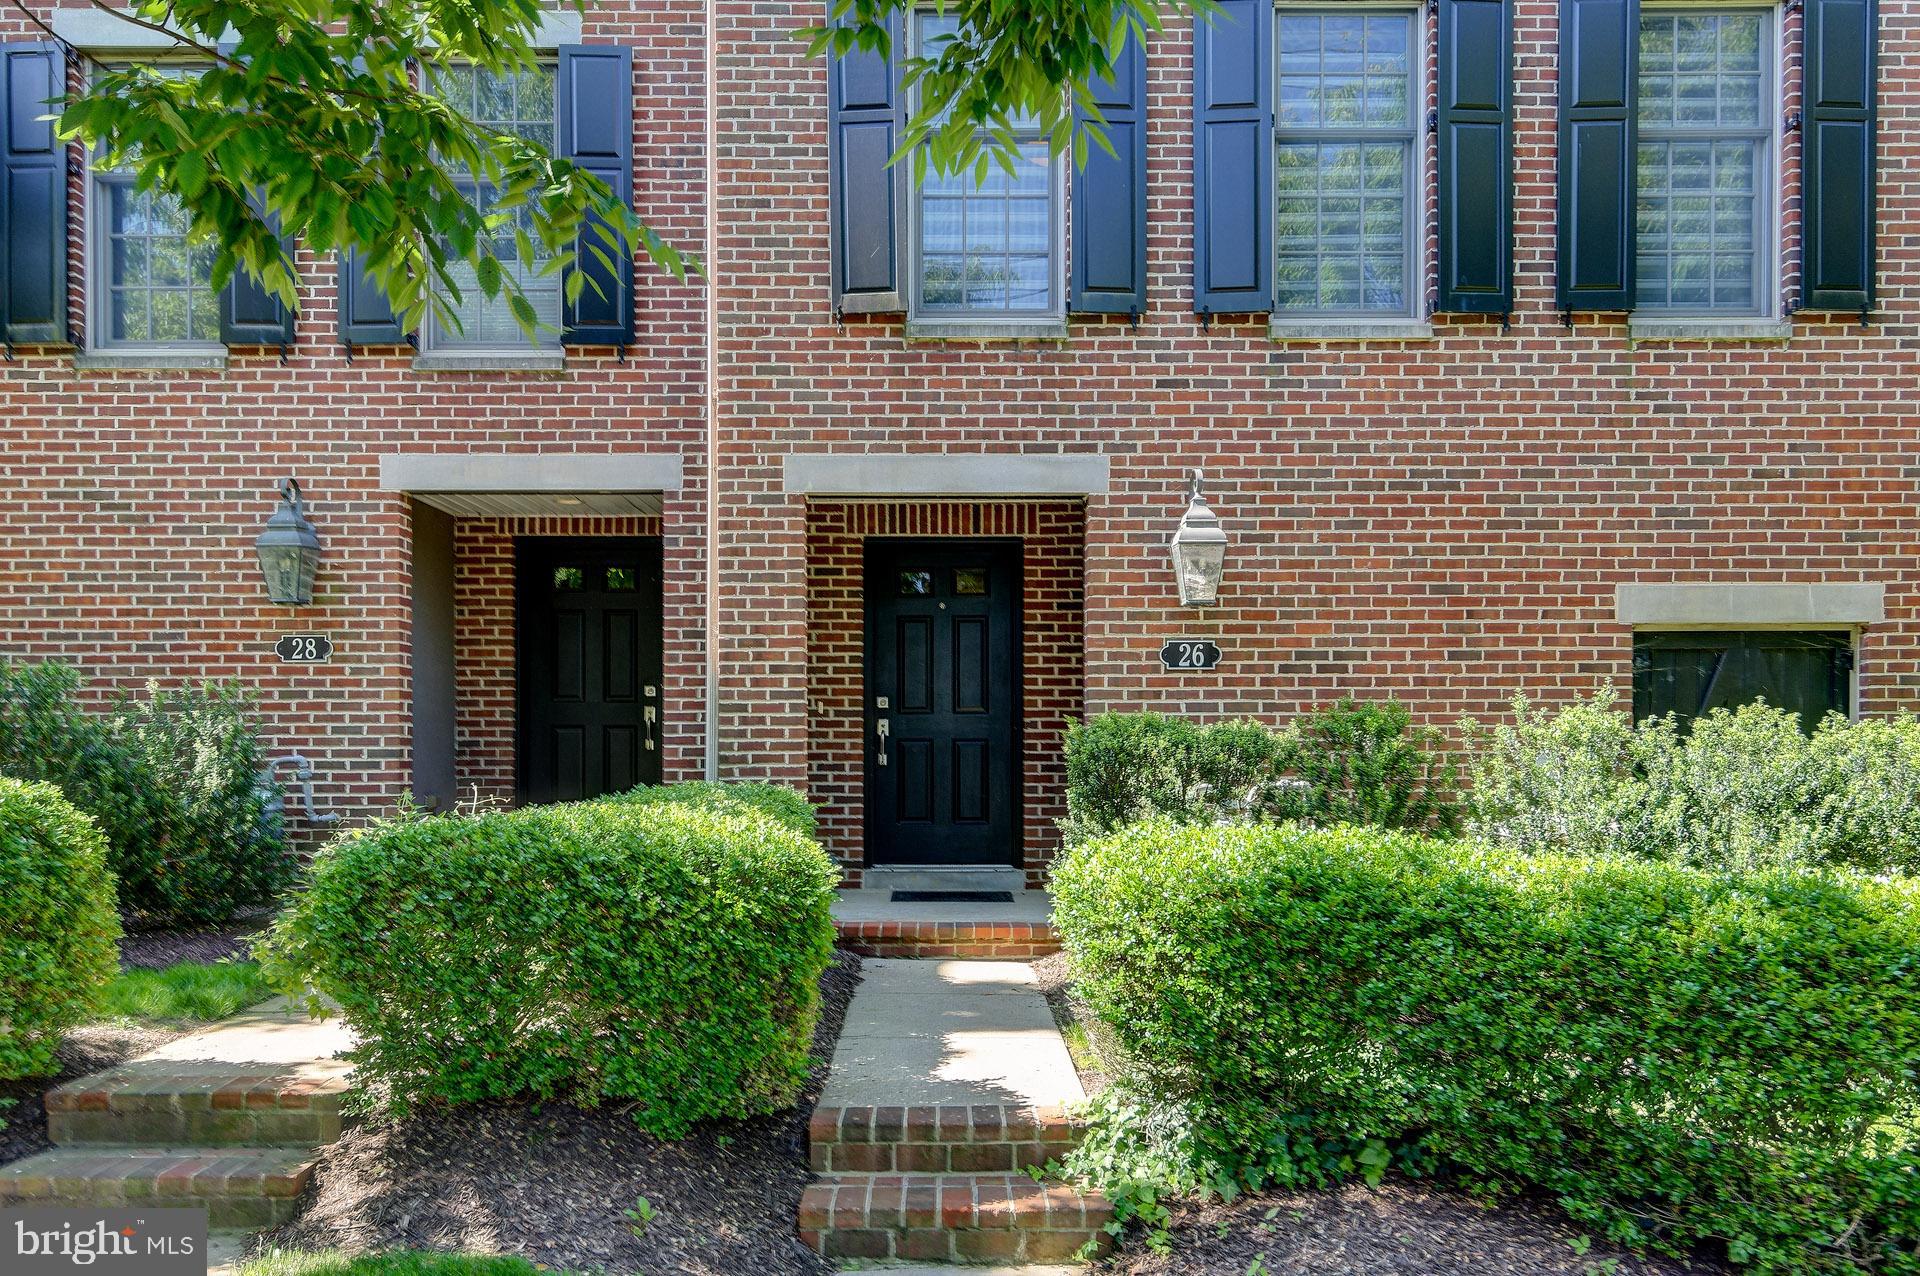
(158, 949)
(1397, 1227)
(554, 1183)
(23, 1112)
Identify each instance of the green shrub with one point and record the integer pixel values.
(172, 778)
(1346, 763)
(663, 953)
(1677, 1055)
(774, 801)
(59, 934)
(1742, 789)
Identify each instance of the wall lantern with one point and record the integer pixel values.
(1199, 551)
(289, 550)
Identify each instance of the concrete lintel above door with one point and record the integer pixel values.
(1751, 605)
(534, 484)
(979, 474)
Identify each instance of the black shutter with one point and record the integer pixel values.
(865, 114)
(1233, 158)
(367, 318)
(1599, 60)
(1110, 194)
(1838, 169)
(250, 315)
(33, 197)
(1476, 156)
(596, 132)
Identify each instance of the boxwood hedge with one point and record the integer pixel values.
(662, 950)
(1679, 1056)
(59, 931)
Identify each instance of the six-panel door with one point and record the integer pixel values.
(943, 702)
(589, 644)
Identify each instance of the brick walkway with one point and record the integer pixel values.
(227, 1118)
(948, 1081)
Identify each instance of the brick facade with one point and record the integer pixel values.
(1444, 520)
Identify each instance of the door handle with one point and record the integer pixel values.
(881, 726)
(649, 715)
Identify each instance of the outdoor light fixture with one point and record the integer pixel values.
(289, 550)
(1199, 551)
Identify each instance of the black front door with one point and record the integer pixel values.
(589, 643)
(943, 702)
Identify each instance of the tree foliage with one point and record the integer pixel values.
(323, 121)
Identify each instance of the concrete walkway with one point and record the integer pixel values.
(931, 1033)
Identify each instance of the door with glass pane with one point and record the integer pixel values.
(590, 663)
(943, 702)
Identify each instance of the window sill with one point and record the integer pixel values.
(1350, 330)
(1708, 329)
(986, 330)
(150, 361)
(490, 361)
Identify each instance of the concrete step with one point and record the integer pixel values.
(945, 879)
(201, 1103)
(966, 1218)
(978, 941)
(239, 1187)
(953, 1139)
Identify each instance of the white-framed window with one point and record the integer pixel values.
(1705, 200)
(1348, 158)
(993, 250)
(523, 103)
(149, 288)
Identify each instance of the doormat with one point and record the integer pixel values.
(953, 897)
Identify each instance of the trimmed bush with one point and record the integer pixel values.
(59, 934)
(774, 801)
(172, 780)
(1678, 1056)
(1349, 762)
(1743, 789)
(663, 951)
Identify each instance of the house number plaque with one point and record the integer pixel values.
(304, 649)
(1190, 653)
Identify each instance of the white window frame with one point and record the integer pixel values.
(99, 245)
(1056, 311)
(1769, 234)
(1417, 167)
(436, 339)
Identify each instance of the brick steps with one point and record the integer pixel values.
(951, 1139)
(950, 1218)
(1003, 941)
(199, 1104)
(239, 1187)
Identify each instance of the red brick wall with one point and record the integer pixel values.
(129, 501)
(486, 704)
(1050, 535)
(1442, 520)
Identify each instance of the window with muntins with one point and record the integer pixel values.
(1706, 133)
(152, 287)
(1345, 162)
(524, 104)
(992, 249)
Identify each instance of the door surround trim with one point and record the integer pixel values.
(1016, 548)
